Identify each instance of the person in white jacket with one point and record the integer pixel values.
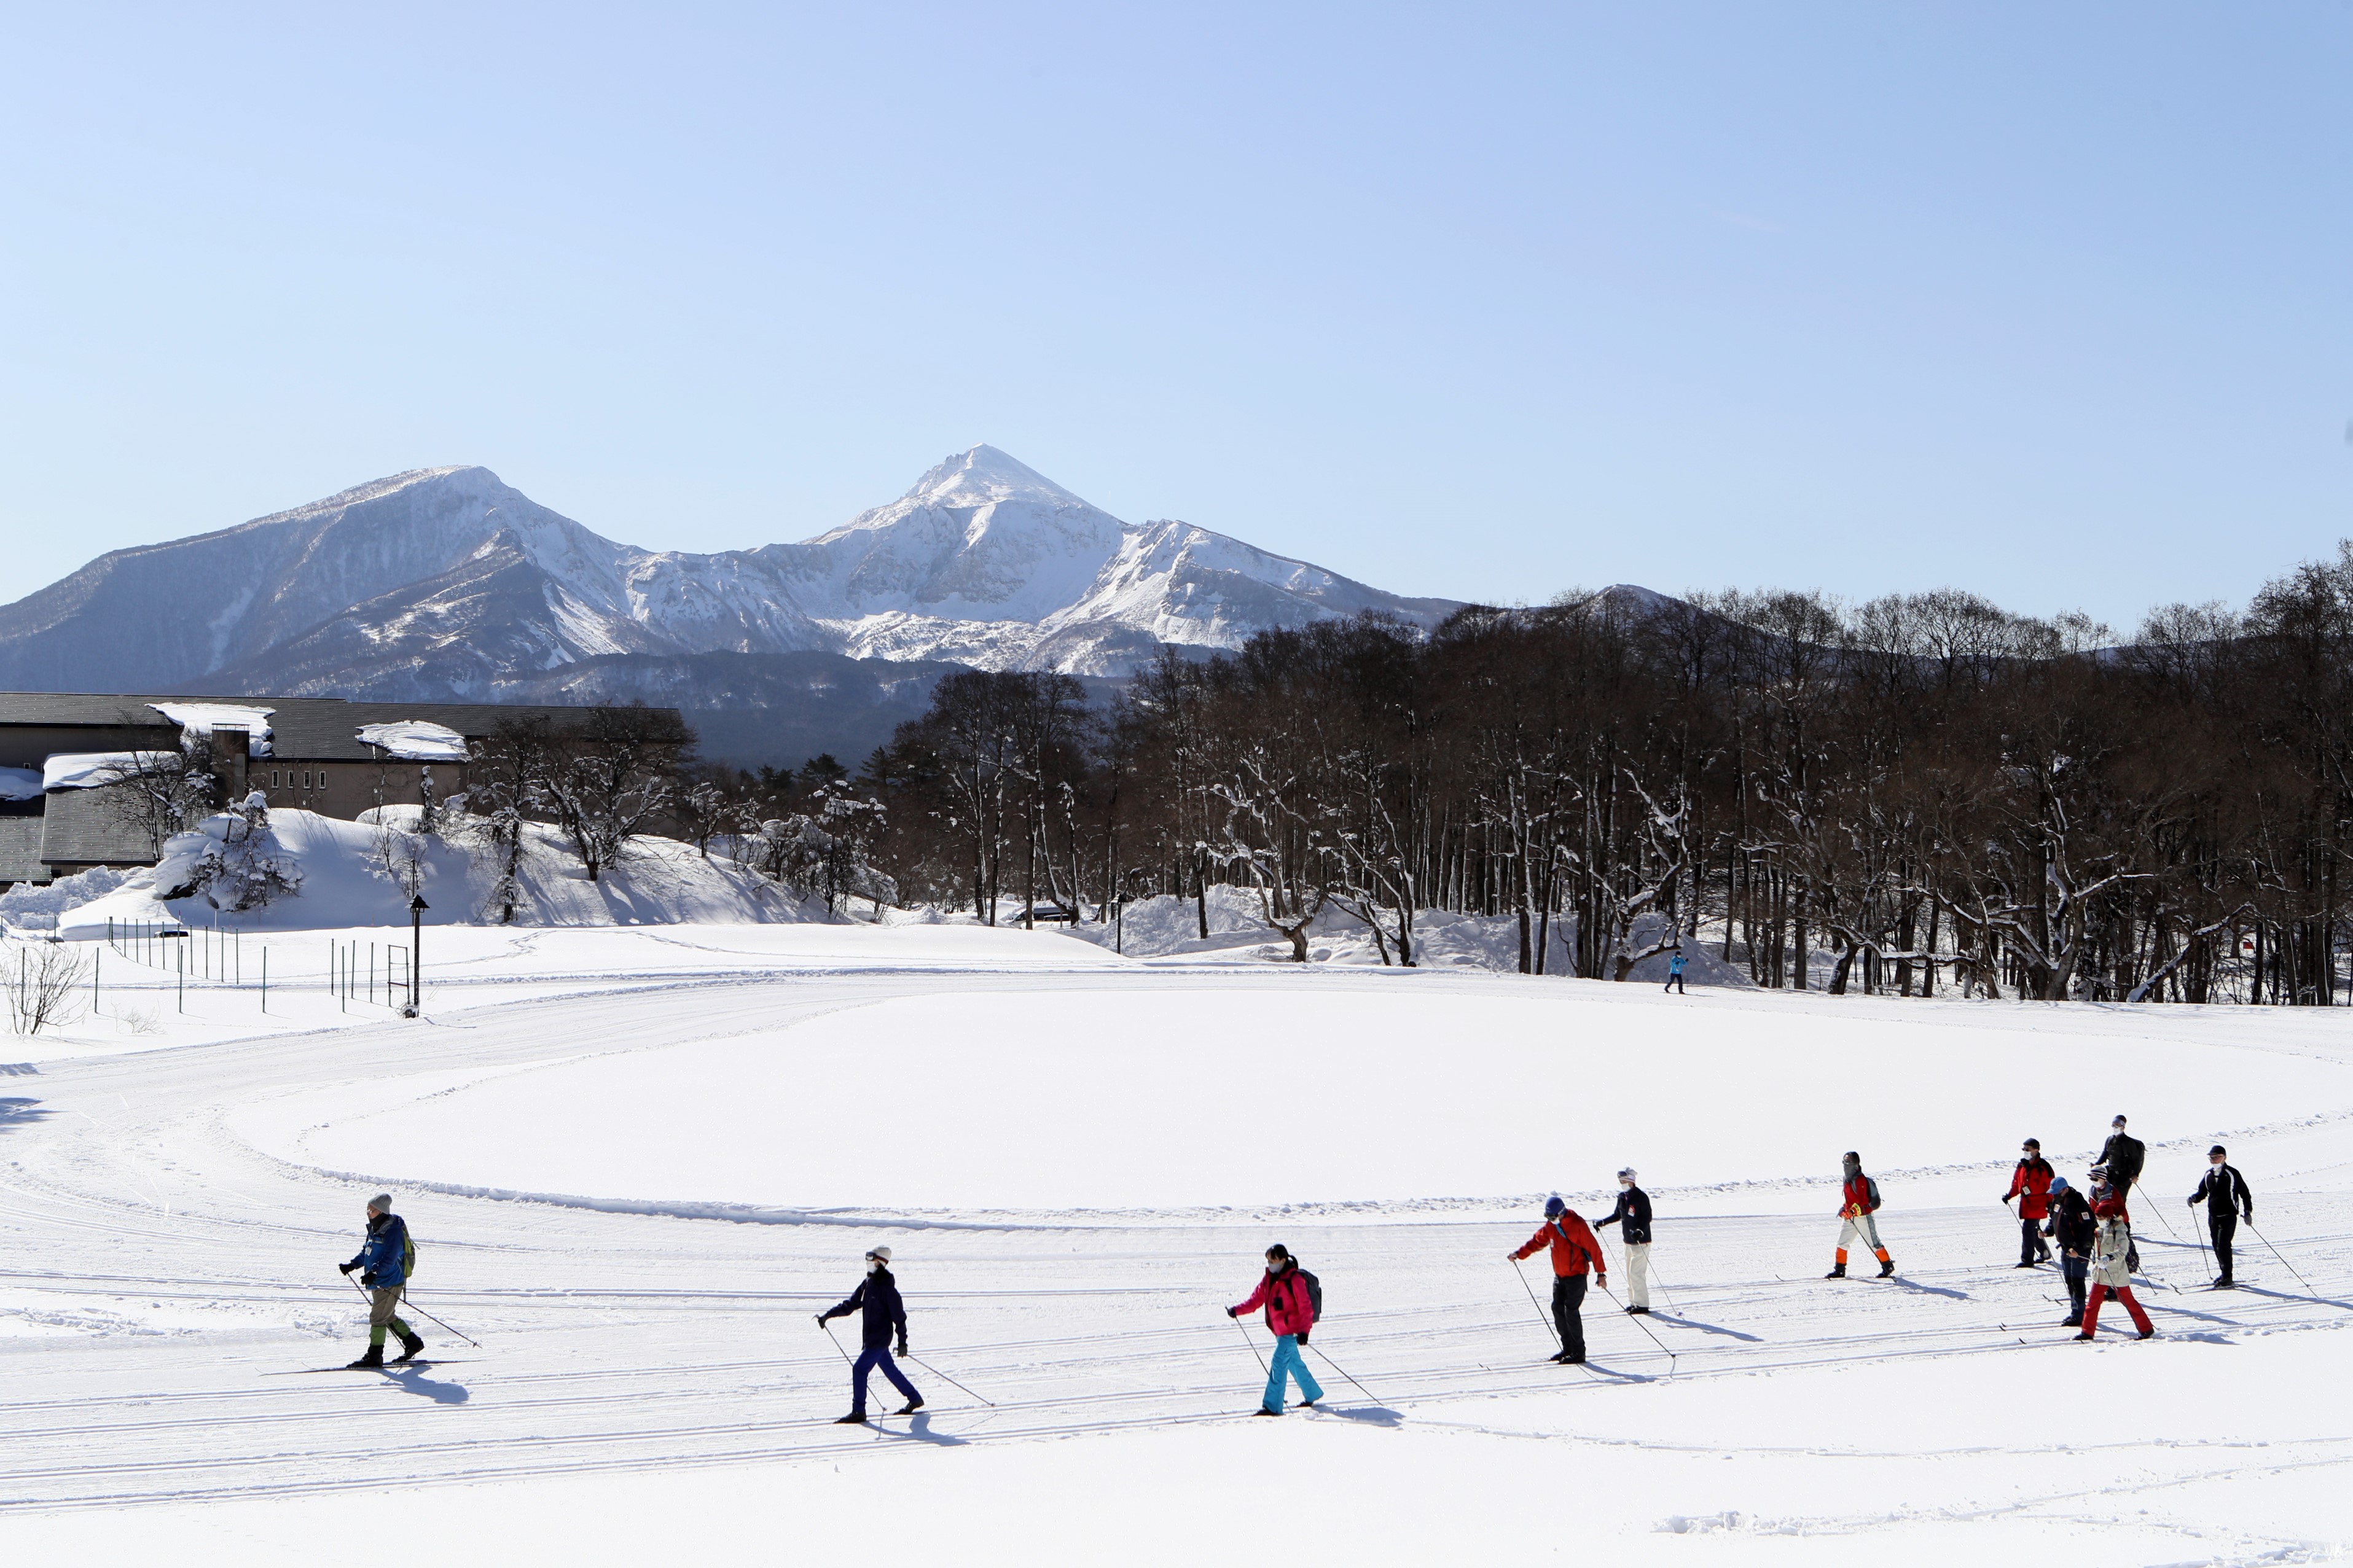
(2111, 1264)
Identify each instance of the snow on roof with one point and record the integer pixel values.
(202, 718)
(20, 784)
(90, 770)
(416, 741)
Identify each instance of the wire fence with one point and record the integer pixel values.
(213, 956)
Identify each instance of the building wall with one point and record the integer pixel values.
(344, 789)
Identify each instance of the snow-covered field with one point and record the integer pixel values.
(639, 1158)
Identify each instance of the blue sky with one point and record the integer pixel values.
(2055, 303)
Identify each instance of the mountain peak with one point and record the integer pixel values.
(980, 475)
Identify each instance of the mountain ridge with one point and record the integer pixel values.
(447, 583)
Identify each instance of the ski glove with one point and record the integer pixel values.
(1231, 1313)
(901, 1349)
(1303, 1336)
(345, 1268)
(368, 1280)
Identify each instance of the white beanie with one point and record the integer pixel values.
(882, 1252)
(1627, 1175)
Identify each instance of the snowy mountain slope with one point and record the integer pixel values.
(446, 581)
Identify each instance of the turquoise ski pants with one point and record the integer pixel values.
(1288, 1363)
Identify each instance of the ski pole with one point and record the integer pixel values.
(943, 1377)
(2171, 1234)
(1646, 1329)
(419, 1312)
(2203, 1259)
(1550, 1327)
(837, 1343)
(2283, 1262)
(1342, 1371)
(1253, 1346)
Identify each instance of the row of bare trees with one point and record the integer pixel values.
(1919, 794)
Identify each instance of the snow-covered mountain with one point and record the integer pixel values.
(446, 581)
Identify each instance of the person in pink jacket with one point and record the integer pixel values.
(1288, 1294)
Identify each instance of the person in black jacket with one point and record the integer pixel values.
(878, 1297)
(1634, 1209)
(2224, 1193)
(2073, 1227)
(2123, 1155)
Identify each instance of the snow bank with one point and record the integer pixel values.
(30, 906)
(353, 874)
(20, 784)
(1169, 926)
(416, 741)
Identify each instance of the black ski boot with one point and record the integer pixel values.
(2225, 1283)
(374, 1357)
(1638, 1311)
(1263, 1410)
(1887, 1269)
(2081, 1338)
(853, 1419)
(411, 1345)
(1838, 1271)
(909, 1407)
(2145, 1334)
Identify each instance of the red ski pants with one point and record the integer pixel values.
(2122, 1294)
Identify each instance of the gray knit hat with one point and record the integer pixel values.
(381, 1203)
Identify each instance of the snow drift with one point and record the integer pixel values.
(1167, 926)
(339, 874)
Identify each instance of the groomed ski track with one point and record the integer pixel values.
(195, 1266)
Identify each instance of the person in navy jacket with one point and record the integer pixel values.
(877, 1296)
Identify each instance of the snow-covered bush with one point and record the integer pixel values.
(231, 860)
(36, 906)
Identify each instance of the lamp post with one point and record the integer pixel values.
(416, 908)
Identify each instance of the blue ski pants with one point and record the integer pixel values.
(1289, 1362)
(872, 1357)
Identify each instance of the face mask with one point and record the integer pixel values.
(874, 1266)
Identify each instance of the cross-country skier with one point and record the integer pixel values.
(1634, 1209)
(2224, 1193)
(2030, 1184)
(383, 1262)
(2122, 1156)
(1859, 1200)
(2111, 1272)
(1285, 1291)
(1573, 1250)
(877, 1296)
(2077, 1233)
(1675, 974)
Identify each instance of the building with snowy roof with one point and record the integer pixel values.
(66, 757)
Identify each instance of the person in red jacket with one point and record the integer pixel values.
(1574, 1251)
(1290, 1313)
(1859, 1200)
(2029, 1183)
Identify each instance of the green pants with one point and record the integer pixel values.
(381, 1304)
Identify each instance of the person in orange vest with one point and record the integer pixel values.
(1574, 1251)
(1860, 1201)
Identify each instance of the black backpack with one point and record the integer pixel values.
(1314, 1295)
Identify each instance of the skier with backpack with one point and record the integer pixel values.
(1675, 974)
(2224, 1193)
(2077, 1234)
(1573, 1251)
(2122, 1157)
(877, 1298)
(386, 1260)
(1858, 1202)
(1293, 1300)
(1634, 1209)
(2112, 1271)
(2029, 1183)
